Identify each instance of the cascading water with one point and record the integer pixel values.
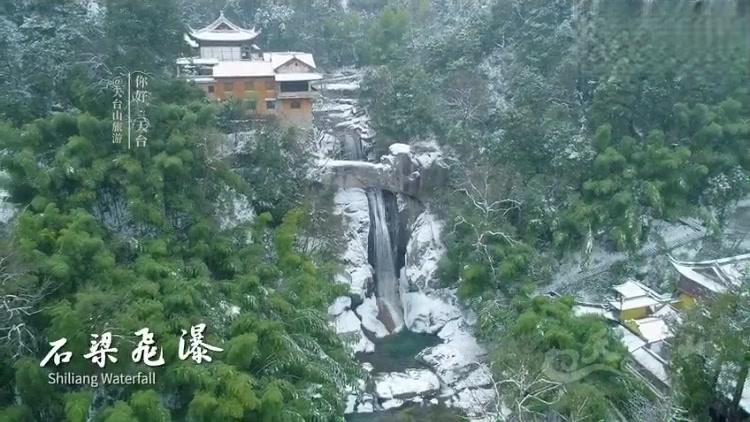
(389, 301)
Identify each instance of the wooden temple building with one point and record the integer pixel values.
(702, 279)
(228, 64)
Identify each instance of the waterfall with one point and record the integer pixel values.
(352, 147)
(386, 281)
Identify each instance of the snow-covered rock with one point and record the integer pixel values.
(351, 404)
(341, 304)
(353, 206)
(397, 149)
(427, 154)
(366, 404)
(349, 328)
(426, 309)
(392, 404)
(425, 313)
(423, 252)
(368, 312)
(480, 377)
(407, 384)
(475, 401)
(458, 356)
(325, 145)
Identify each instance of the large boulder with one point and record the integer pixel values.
(458, 357)
(368, 313)
(428, 313)
(349, 328)
(340, 305)
(407, 384)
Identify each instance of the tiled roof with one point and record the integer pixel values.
(215, 31)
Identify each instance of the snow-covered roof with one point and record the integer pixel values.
(667, 312)
(244, 68)
(643, 356)
(634, 303)
(222, 29)
(653, 329)
(291, 77)
(745, 400)
(279, 58)
(629, 340)
(191, 42)
(717, 275)
(630, 289)
(652, 363)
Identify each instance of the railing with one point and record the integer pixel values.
(296, 94)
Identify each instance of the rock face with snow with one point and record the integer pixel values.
(408, 384)
(349, 328)
(423, 253)
(409, 170)
(458, 360)
(457, 357)
(341, 304)
(425, 313)
(368, 313)
(353, 206)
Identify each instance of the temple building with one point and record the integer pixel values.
(633, 300)
(709, 278)
(228, 64)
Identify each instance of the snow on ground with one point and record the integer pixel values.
(350, 86)
(590, 271)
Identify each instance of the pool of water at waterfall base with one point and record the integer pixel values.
(398, 352)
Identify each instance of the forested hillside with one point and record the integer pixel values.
(568, 126)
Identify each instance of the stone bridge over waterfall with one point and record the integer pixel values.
(410, 170)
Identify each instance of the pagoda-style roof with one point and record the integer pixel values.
(222, 29)
(714, 276)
